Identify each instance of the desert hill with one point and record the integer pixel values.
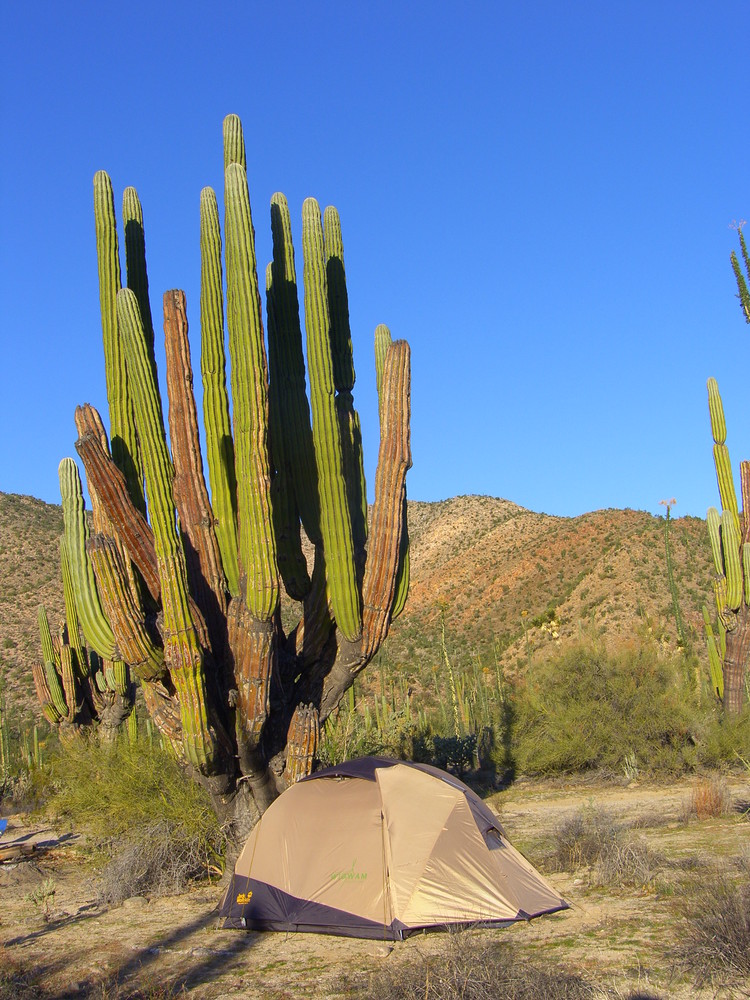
(481, 562)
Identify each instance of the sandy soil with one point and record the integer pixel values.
(621, 940)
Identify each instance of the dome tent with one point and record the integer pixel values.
(380, 848)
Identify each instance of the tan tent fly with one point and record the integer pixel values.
(380, 848)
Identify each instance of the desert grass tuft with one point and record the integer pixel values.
(709, 799)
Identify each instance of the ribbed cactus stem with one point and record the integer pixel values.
(134, 644)
(205, 574)
(135, 259)
(742, 290)
(182, 650)
(234, 142)
(713, 521)
(103, 476)
(68, 675)
(336, 521)
(383, 341)
(343, 379)
(44, 694)
(745, 494)
(394, 460)
(286, 515)
(338, 302)
(71, 613)
(122, 427)
(49, 654)
(96, 629)
(216, 418)
(730, 543)
(725, 480)
(716, 412)
(257, 546)
(727, 618)
(291, 431)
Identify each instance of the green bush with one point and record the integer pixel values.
(724, 740)
(129, 796)
(595, 709)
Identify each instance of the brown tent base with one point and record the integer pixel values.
(378, 848)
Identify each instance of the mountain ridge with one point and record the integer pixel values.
(509, 583)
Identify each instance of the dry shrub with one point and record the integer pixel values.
(472, 970)
(709, 798)
(632, 864)
(582, 837)
(159, 860)
(592, 838)
(715, 939)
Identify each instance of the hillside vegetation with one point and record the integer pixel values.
(480, 562)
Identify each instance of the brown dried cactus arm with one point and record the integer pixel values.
(205, 573)
(109, 483)
(388, 522)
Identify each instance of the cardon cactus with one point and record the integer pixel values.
(729, 534)
(186, 598)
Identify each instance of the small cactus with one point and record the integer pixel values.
(742, 290)
(729, 535)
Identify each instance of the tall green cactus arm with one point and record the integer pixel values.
(205, 573)
(713, 520)
(742, 292)
(714, 656)
(134, 644)
(394, 460)
(725, 481)
(335, 517)
(338, 302)
(383, 341)
(49, 653)
(286, 516)
(71, 614)
(343, 378)
(182, 650)
(716, 412)
(234, 142)
(216, 418)
(292, 435)
(44, 694)
(731, 553)
(109, 483)
(96, 628)
(69, 684)
(135, 259)
(722, 462)
(122, 426)
(257, 549)
(54, 687)
(730, 545)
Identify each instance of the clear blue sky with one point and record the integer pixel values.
(536, 195)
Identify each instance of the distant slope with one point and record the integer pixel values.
(29, 576)
(483, 560)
